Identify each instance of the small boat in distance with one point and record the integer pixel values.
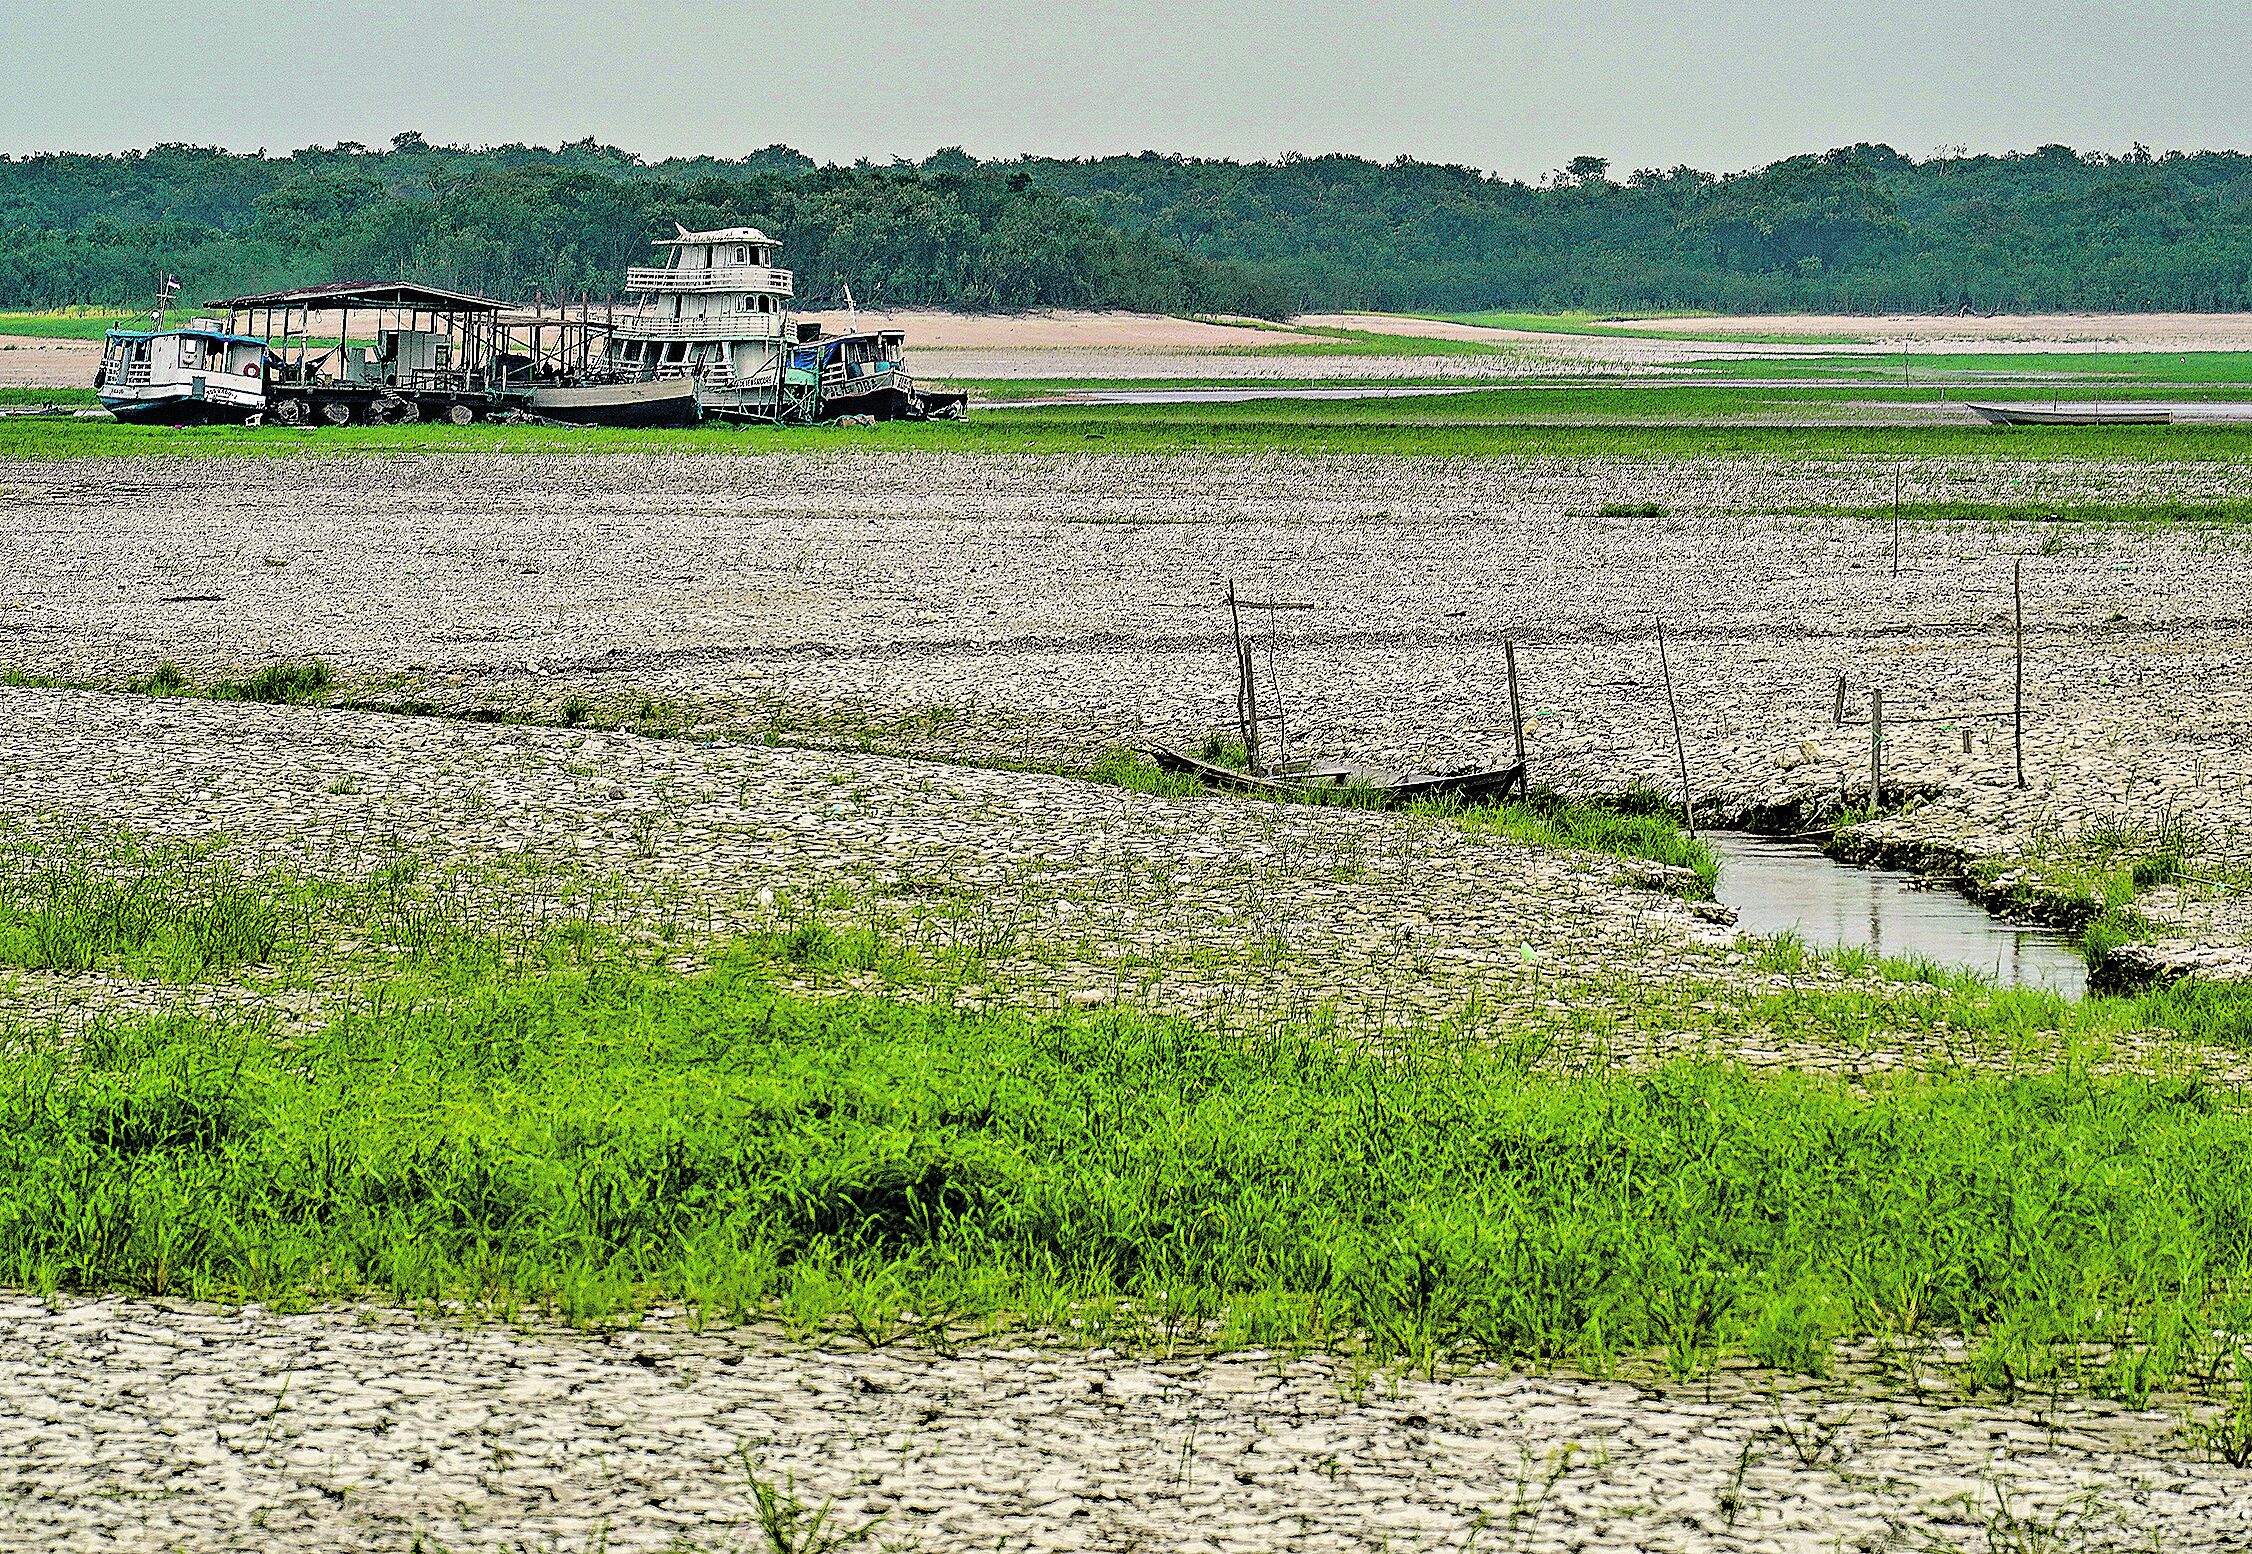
(2073, 415)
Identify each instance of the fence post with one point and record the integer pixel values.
(1516, 714)
(1680, 752)
(2017, 603)
(1876, 748)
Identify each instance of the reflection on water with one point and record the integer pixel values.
(1777, 886)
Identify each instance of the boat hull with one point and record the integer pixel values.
(2085, 415)
(177, 410)
(658, 403)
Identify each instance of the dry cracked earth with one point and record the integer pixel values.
(891, 622)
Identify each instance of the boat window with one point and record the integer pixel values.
(741, 255)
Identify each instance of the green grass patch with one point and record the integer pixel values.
(285, 684)
(76, 398)
(82, 323)
(603, 1138)
(1648, 828)
(167, 912)
(1487, 424)
(1643, 826)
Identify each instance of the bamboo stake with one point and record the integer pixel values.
(1516, 711)
(1247, 689)
(1876, 748)
(2017, 600)
(1680, 752)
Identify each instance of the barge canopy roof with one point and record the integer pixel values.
(369, 294)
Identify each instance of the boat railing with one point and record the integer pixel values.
(736, 324)
(713, 277)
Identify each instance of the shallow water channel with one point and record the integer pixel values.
(1777, 886)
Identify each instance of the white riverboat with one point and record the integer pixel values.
(178, 377)
(718, 312)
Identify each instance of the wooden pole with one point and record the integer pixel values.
(1680, 752)
(1246, 688)
(1876, 747)
(2017, 602)
(1895, 520)
(1837, 713)
(1516, 710)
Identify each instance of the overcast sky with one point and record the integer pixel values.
(1517, 87)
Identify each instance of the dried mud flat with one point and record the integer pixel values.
(342, 1428)
(37, 363)
(1045, 608)
(1039, 609)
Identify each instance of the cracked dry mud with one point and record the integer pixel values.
(136, 1424)
(1043, 608)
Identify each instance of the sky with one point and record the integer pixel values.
(1517, 88)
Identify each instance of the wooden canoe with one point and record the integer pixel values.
(1472, 786)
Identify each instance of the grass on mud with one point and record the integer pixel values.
(1641, 826)
(584, 1124)
(1675, 421)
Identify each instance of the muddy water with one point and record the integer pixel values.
(1777, 886)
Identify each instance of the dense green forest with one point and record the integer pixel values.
(1862, 229)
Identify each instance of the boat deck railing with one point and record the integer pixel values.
(717, 277)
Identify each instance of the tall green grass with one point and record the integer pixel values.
(565, 1117)
(602, 1139)
(170, 912)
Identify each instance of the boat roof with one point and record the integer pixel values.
(198, 334)
(717, 235)
(368, 294)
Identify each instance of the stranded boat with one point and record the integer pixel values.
(710, 333)
(178, 377)
(717, 312)
(2073, 415)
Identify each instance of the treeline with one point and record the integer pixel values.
(517, 220)
(1861, 229)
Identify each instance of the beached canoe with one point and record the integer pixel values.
(2073, 415)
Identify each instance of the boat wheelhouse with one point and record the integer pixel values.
(178, 376)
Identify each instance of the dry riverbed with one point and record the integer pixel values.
(1044, 608)
(854, 634)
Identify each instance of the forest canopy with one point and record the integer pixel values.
(1859, 229)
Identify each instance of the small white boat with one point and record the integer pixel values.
(178, 377)
(2074, 415)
